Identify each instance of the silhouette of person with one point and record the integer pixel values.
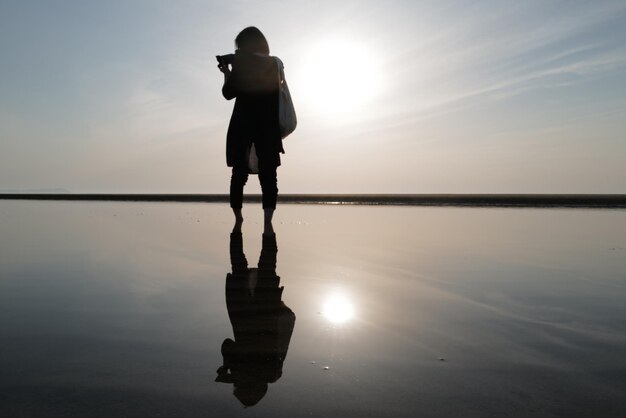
(262, 323)
(253, 81)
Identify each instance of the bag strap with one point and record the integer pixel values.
(281, 72)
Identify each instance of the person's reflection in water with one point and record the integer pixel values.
(262, 323)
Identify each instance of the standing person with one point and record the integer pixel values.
(253, 80)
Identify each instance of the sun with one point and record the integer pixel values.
(339, 76)
(338, 309)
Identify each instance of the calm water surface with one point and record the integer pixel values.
(150, 309)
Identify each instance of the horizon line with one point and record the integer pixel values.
(604, 200)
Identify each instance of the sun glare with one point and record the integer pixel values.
(339, 76)
(338, 309)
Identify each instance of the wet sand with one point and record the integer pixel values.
(122, 309)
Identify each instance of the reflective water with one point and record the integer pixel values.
(154, 309)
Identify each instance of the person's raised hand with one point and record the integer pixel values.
(224, 68)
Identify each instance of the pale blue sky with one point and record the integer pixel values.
(392, 96)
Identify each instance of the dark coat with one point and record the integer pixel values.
(254, 83)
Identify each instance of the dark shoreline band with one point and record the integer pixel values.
(470, 200)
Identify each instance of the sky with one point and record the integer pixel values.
(391, 96)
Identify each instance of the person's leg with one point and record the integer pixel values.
(268, 228)
(268, 180)
(238, 179)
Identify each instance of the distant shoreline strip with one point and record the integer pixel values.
(462, 200)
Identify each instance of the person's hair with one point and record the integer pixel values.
(251, 39)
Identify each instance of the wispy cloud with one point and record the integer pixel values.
(497, 57)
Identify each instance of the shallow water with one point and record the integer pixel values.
(119, 309)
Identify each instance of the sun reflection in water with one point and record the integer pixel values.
(338, 309)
